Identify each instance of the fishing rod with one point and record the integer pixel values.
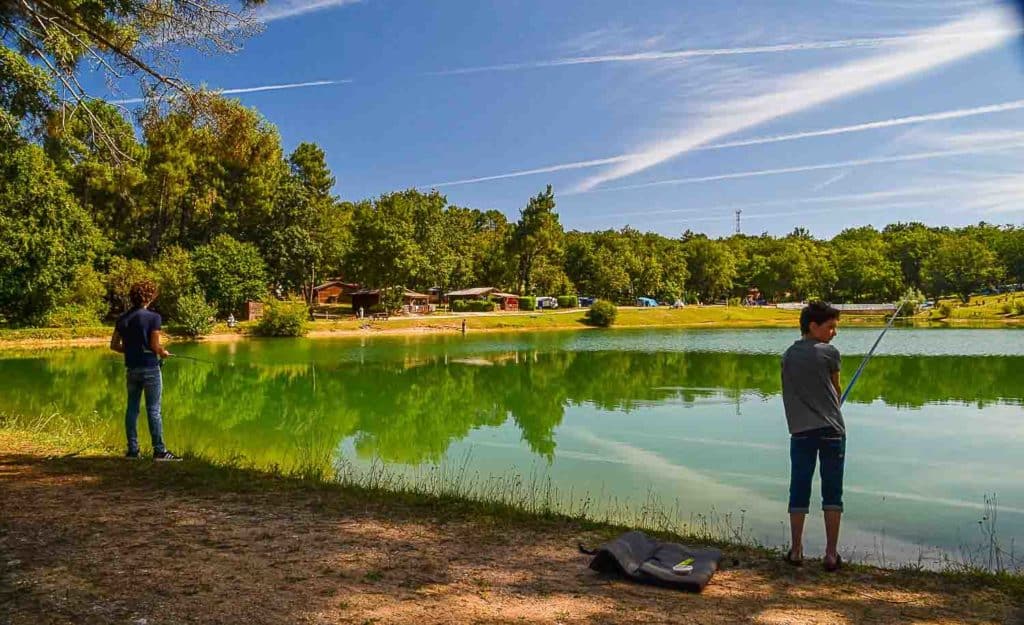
(871, 352)
(202, 360)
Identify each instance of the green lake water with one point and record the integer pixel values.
(689, 420)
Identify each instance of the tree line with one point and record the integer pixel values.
(209, 203)
(197, 192)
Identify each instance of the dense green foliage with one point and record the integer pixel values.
(71, 316)
(82, 304)
(536, 243)
(230, 273)
(176, 278)
(960, 265)
(194, 316)
(207, 202)
(473, 305)
(45, 235)
(284, 318)
(602, 313)
(527, 302)
(911, 301)
(568, 301)
(122, 273)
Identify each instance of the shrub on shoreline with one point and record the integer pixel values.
(195, 316)
(284, 318)
(602, 314)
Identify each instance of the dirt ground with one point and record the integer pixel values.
(101, 540)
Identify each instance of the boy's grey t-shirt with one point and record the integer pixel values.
(810, 399)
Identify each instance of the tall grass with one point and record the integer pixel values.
(530, 496)
(536, 495)
(71, 432)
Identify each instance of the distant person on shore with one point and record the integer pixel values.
(137, 336)
(810, 394)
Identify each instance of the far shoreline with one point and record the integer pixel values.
(707, 317)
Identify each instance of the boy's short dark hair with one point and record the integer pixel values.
(142, 291)
(818, 312)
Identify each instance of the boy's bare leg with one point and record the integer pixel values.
(796, 526)
(832, 518)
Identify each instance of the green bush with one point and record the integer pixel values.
(121, 275)
(44, 232)
(602, 313)
(230, 273)
(568, 301)
(1018, 307)
(176, 279)
(733, 301)
(82, 304)
(1008, 308)
(195, 316)
(72, 316)
(911, 301)
(473, 305)
(392, 298)
(284, 318)
(945, 310)
(527, 303)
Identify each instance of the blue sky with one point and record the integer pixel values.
(915, 107)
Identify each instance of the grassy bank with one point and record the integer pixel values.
(984, 308)
(981, 312)
(561, 319)
(704, 317)
(204, 543)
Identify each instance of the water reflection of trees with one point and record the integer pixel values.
(410, 411)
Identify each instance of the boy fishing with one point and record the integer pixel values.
(811, 396)
(137, 336)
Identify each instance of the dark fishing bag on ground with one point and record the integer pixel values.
(643, 559)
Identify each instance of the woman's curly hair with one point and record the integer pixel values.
(142, 291)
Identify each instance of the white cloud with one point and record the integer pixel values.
(290, 8)
(846, 198)
(917, 6)
(794, 213)
(291, 85)
(831, 181)
(998, 195)
(900, 158)
(674, 55)
(993, 195)
(533, 172)
(826, 132)
(934, 48)
(970, 140)
(988, 109)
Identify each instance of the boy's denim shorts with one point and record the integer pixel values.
(805, 448)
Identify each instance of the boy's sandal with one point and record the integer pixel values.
(833, 565)
(789, 558)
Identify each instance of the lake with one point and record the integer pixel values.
(635, 423)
